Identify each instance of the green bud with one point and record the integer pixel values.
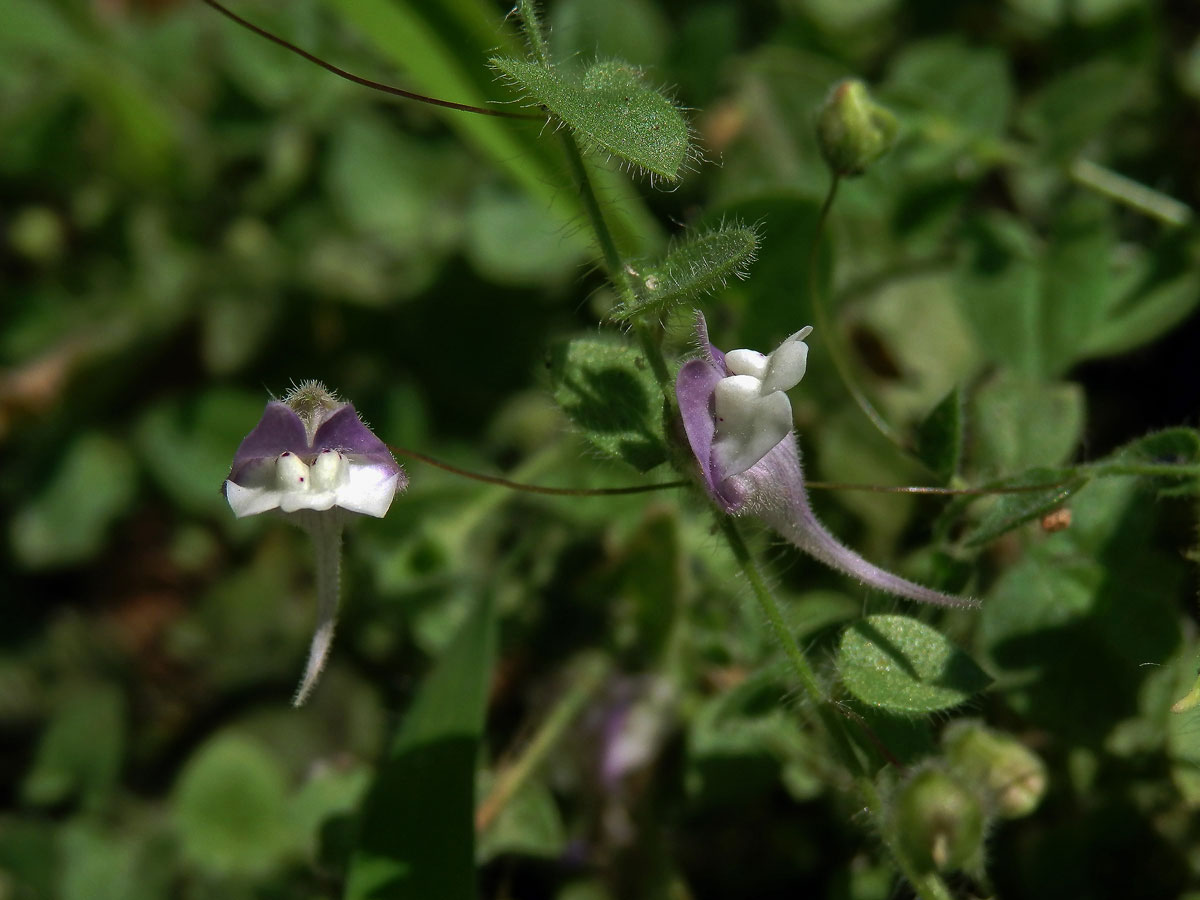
(937, 821)
(852, 129)
(1012, 774)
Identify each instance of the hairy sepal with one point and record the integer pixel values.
(699, 265)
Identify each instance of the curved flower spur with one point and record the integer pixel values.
(311, 457)
(738, 422)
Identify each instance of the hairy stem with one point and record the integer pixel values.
(617, 271)
(527, 11)
(326, 531)
(928, 885)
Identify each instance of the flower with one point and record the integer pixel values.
(311, 457)
(310, 452)
(738, 423)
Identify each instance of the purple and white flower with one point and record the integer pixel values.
(316, 459)
(311, 457)
(738, 422)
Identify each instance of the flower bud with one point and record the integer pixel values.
(1012, 774)
(937, 821)
(852, 129)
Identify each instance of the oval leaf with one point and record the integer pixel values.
(903, 665)
(610, 109)
(230, 807)
(608, 390)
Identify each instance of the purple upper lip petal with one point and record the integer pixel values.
(281, 430)
(278, 431)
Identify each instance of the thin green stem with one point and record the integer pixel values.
(358, 79)
(766, 602)
(535, 488)
(590, 676)
(928, 885)
(1134, 194)
(618, 272)
(837, 353)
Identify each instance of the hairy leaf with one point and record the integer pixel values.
(611, 110)
(608, 390)
(905, 666)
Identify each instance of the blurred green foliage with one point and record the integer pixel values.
(191, 219)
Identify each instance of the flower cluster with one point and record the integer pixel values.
(738, 422)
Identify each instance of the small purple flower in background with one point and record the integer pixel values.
(311, 457)
(738, 422)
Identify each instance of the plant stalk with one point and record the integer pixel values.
(928, 885)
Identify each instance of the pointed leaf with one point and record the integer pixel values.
(700, 265)
(611, 110)
(940, 436)
(1024, 422)
(1009, 511)
(417, 833)
(903, 665)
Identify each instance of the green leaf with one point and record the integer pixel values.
(1171, 455)
(959, 99)
(330, 792)
(1151, 312)
(69, 519)
(81, 751)
(611, 110)
(905, 666)
(1072, 109)
(187, 447)
(741, 742)
(1000, 291)
(1009, 511)
(969, 86)
(104, 863)
(510, 240)
(529, 824)
(1171, 446)
(416, 836)
(1183, 730)
(701, 264)
(607, 389)
(1073, 620)
(230, 807)
(1077, 279)
(1021, 422)
(438, 46)
(940, 436)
